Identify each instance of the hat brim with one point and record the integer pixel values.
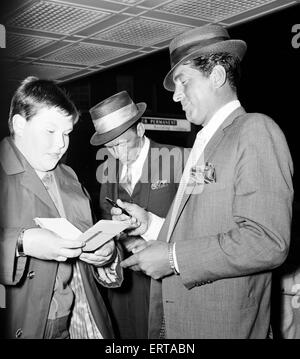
(102, 138)
(235, 47)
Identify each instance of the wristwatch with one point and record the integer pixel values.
(171, 258)
(20, 249)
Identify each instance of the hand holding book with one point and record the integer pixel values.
(94, 237)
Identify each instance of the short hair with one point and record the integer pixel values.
(206, 63)
(35, 93)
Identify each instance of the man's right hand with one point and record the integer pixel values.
(44, 244)
(139, 220)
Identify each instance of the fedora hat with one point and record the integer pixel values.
(113, 116)
(198, 41)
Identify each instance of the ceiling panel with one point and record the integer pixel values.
(66, 39)
(211, 10)
(127, 2)
(142, 32)
(18, 45)
(52, 17)
(86, 54)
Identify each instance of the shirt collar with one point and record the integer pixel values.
(44, 176)
(218, 118)
(139, 162)
(142, 155)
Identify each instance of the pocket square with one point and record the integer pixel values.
(159, 184)
(203, 174)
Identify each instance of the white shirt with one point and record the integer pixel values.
(206, 133)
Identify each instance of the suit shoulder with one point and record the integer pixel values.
(258, 120)
(257, 125)
(68, 171)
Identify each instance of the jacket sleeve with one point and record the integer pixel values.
(261, 211)
(111, 274)
(105, 207)
(11, 267)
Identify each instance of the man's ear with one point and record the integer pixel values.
(140, 129)
(18, 123)
(218, 76)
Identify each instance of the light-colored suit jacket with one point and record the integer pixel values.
(30, 281)
(229, 237)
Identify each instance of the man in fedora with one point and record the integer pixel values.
(138, 177)
(229, 224)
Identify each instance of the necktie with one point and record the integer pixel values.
(194, 157)
(126, 180)
(49, 184)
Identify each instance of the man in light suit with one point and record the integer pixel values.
(118, 125)
(229, 224)
(50, 287)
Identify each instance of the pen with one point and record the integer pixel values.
(114, 204)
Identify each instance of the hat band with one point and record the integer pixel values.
(183, 51)
(116, 118)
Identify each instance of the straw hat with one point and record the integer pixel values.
(113, 116)
(199, 41)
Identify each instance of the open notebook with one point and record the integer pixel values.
(94, 237)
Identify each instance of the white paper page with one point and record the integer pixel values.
(60, 226)
(94, 237)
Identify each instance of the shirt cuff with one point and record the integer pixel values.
(154, 228)
(175, 258)
(110, 276)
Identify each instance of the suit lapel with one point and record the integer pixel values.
(208, 153)
(68, 189)
(32, 182)
(146, 173)
(144, 181)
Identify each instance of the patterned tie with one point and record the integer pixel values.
(49, 184)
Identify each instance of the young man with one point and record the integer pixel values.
(229, 225)
(50, 293)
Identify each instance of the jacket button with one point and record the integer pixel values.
(19, 333)
(31, 274)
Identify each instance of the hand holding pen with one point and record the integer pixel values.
(139, 217)
(114, 204)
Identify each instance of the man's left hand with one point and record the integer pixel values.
(153, 260)
(101, 256)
